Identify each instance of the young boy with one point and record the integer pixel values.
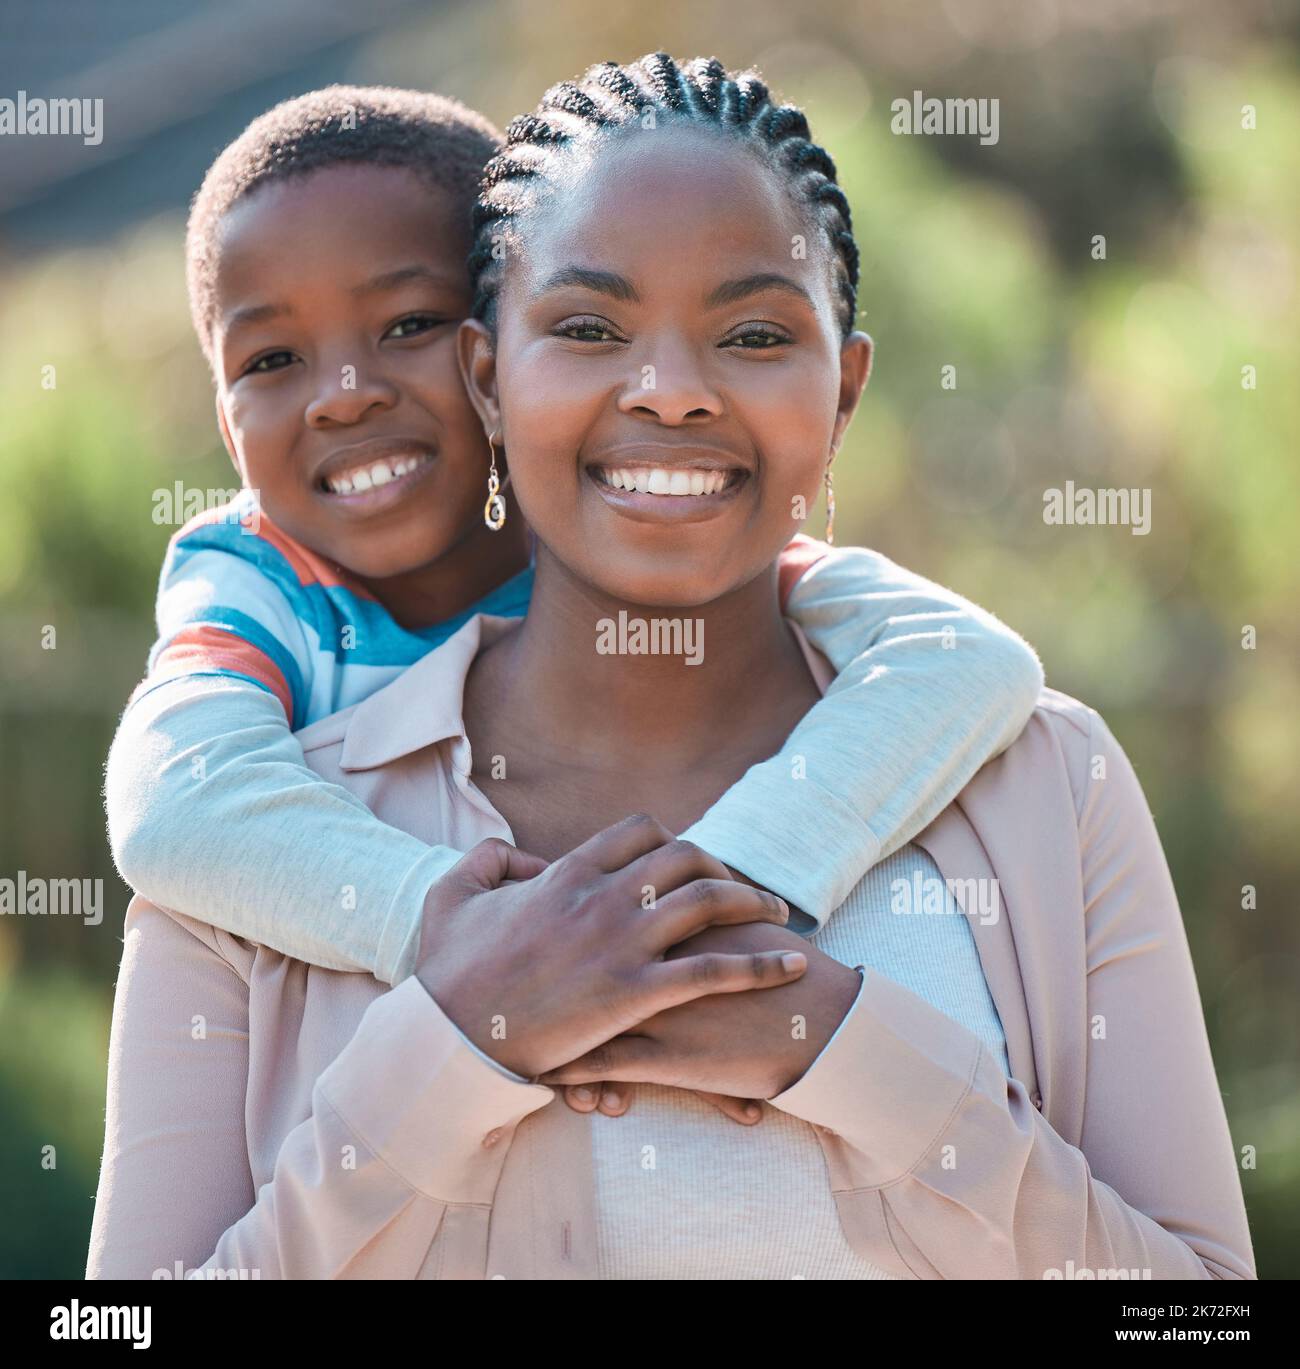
(326, 254)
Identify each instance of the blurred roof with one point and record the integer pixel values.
(178, 78)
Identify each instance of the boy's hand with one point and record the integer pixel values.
(745, 1045)
(615, 1099)
(753, 884)
(568, 954)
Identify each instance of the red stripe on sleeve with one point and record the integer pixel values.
(204, 648)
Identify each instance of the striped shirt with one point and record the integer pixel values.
(240, 598)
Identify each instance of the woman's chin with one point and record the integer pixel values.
(683, 572)
(671, 593)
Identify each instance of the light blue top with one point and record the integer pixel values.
(683, 1192)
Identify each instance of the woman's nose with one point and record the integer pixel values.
(671, 388)
(346, 394)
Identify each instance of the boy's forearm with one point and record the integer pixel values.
(214, 812)
(930, 688)
(853, 599)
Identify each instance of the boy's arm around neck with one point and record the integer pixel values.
(930, 687)
(255, 842)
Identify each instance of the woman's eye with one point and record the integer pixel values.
(588, 330)
(757, 339)
(272, 361)
(412, 326)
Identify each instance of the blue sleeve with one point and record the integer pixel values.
(214, 812)
(929, 688)
(230, 604)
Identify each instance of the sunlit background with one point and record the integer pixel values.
(1120, 118)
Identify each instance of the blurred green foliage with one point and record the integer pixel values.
(1123, 371)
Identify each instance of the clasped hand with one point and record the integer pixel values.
(741, 1046)
(565, 973)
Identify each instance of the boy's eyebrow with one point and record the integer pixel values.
(388, 280)
(602, 282)
(730, 291)
(255, 313)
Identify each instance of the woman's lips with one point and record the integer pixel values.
(668, 494)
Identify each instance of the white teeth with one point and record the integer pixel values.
(372, 476)
(659, 480)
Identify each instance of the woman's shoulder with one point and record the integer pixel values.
(1071, 721)
(1072, 727)
(1066, 747)
(186, 937)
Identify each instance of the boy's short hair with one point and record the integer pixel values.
(438, 138)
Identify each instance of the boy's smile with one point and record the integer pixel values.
(375, 473)
(338, 294)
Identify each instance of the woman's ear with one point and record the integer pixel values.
(478, 370)
(855, 368)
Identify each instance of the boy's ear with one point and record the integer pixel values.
(478, 371)
(855, 368)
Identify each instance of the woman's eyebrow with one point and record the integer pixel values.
(602, 282)
(730, 291)
(620, 288)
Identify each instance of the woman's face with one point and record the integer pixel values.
(668, 373)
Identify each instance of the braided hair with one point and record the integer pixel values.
(609, 98)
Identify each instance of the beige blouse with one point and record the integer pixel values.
(273, 1119)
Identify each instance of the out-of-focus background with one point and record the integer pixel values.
(1168, 129)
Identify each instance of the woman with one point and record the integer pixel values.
(685, 306)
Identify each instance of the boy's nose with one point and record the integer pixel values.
(348, 396)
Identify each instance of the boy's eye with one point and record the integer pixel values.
(270, 361)
(756, 339)
(413, 325)
(588, 330)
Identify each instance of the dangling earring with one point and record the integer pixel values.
(494, 511)
(830, 508)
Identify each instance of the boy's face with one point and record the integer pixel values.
(338, 295)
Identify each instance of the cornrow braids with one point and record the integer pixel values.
(438, 138)
(610, 97)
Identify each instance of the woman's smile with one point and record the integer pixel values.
(668, 482)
